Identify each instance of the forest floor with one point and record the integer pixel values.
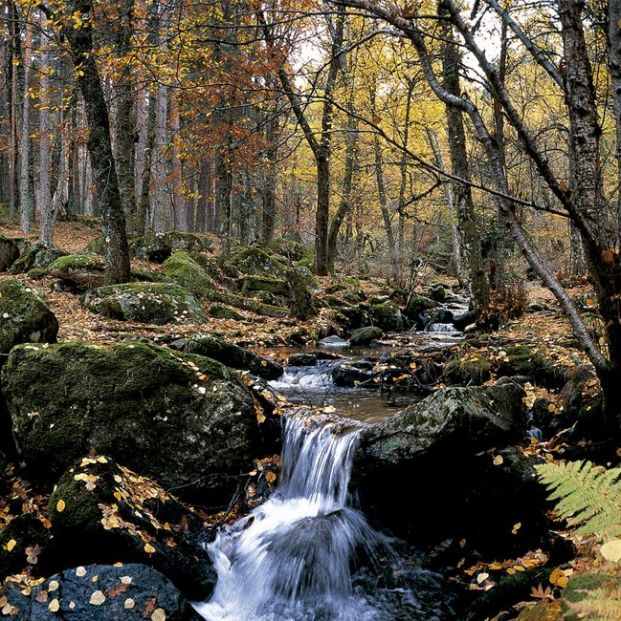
(545, 330)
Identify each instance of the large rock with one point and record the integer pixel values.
(101, 593)
(37, 256)
(233, 356)
(24, 317)
(79, 272)
(387, 316)
(363, 336)
(186, 271)
(102, 512)
(254, 260)
(448, 455)
(182, 420)
(157, 247)
(157, 303)
(9, 251)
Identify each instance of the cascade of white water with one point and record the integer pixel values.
(289, 560)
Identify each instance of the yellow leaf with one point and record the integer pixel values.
(611, 550)
(80, 572)
(516, 528)
(129, 603)
(148, 548)
(53, 586)
(54, 606)
(158, 615)
(10, 545)
(97, 598)
(498, 460)
(558, 578)
(482, 577)
(270, 477)
(60, 506)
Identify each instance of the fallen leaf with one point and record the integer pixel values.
(97, 598)
(54, 606)
(611, 550)
(60, 506)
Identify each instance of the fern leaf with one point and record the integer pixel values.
(600, 605)
(589, 496)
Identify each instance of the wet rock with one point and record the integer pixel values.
(157, 247)
(79, 272)
(363, 336)
(333, 341)
(111, 514)
(24, 317)
(37, 256)
(303, 359)
(472, 371)
(157, 303)
(233, 356)
(350, 374)
(416, 309)
(182, 420)
(437, 293)
(102, 593)
(446, 444)
(387, 316)
(300, 285)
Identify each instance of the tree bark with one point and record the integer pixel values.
(99, 145)
(26, 202)
(45, 154)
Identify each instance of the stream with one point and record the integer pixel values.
(307, 553)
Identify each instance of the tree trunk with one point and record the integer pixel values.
(99, 144)
(45, 154)
(462, 194)
(26, 203)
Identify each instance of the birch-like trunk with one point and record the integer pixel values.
(26, 201)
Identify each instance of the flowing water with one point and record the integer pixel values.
(290, 559)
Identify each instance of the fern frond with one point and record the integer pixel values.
(600, 605)
(589, 496)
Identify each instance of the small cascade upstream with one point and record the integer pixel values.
(289, 560)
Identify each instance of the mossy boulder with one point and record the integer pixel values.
(157, 303)
(185, 271)
(254, 260)
(157, 247)
(416, 308)
(301, 284)
(363, 336)
(37, 256)
(233, 356)
(446, 444)
(9, 252)
(250, 284)
(130, 592)
(220, 311)
(471, 370)
(387, 316)
(79, 272)
(291, 249)
(19, 537)
(24, 317)
(102, 512)
(182, 420)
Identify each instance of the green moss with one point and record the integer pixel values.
(254, 260)
(387, 316)
(363, 336)
(276, 286)
(220, 311)
(157, 303)
(37, 256)
(73, 262)
(293, 250)
(157, 247)
(24, 317)
(418, 304)
(472, 371)
(185, 271)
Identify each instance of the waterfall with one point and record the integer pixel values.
(289, 560)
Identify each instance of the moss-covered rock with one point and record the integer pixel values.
(182, 420)
(250, 284)
(108, 514)
(22, 533)
(37, 256)
(9, 252)
(363, 336)
(80, 272)
(157, 303)
(254, 260)
(301, 284)
(130, 592)
(185, 271)
(233, 356)
(220, 311)
(473, 370)
(157, 247)
(24, 317)
(387, 316)
(417, 305)
(291, 249)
